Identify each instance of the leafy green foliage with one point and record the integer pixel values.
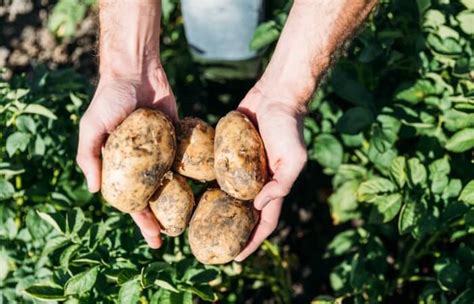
(402, 111)
(391, 127)
(58, 242)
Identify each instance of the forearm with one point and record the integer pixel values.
(129, 37)
(313, 32)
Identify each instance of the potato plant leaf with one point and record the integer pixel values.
(82, 282)
(467, 194)
(129, 293)
(50, 292)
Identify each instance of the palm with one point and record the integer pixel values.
(113, 101)
(281, 129)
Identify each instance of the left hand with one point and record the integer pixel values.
(281, 127)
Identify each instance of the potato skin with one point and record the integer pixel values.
(240, 161)
(136, 156)
(195, 149)
(172, 204)
(220, 227)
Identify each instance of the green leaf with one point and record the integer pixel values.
(466, 21)
(449, 273)
(168, 297)
(75, 220)
(453, 189)
(467, 296)
(25, 124)
(127, 274)
(423, 5)
(46, 292)
(55, 220)
(6, 190)
(203, 276)
(417, 92)
(82, 282)
(461, 141)
(416, 172)
(385, 208)
(165, 281)
(17, 141)
(369, 190)
(40, 147)
(439, 182)
(327, 150)
(67, 254)
(65, 17)
(265, 34)
(440, 166)
(324, 300)
(343, 202)
(447, 46)
(468, 4)
(40, 110)
(398, 171)
(205, 292)
(343, 243)
(348, 88)
(355, 120)
(433, 18)
(407, 217)
(456, 120)
(467, 194)
(129, 293)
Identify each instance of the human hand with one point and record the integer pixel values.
(114, 99)
(281, 127)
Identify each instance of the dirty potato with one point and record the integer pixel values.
(172, 204)
(195, 149)
(240, 162)
(136, 156)
(220, 227)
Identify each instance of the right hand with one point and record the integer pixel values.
(114, 99)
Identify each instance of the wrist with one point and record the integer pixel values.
(122, 66)
(259, 101)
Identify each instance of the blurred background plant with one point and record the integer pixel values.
(384, 211)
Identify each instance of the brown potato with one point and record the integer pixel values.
(240, 162)
(220, 227)
(136, 156)
(195, 149)
(172, 204)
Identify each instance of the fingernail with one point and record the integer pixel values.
(153, 242)
(238, 259)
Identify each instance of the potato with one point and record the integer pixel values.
(136, 156)
(172, 204)
(220, 227)
(240, 162)
(195, 149)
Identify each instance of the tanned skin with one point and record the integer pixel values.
(131, 76)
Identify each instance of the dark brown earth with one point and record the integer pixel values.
(25, 40)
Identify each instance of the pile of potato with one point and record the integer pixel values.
(147, 160)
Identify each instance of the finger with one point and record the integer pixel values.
(148, 226)
(285, 174)
(91, 138)
(267, 224)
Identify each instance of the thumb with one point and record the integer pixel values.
(91, 137)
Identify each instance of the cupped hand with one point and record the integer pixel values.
(114, 99)
(281, 127)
